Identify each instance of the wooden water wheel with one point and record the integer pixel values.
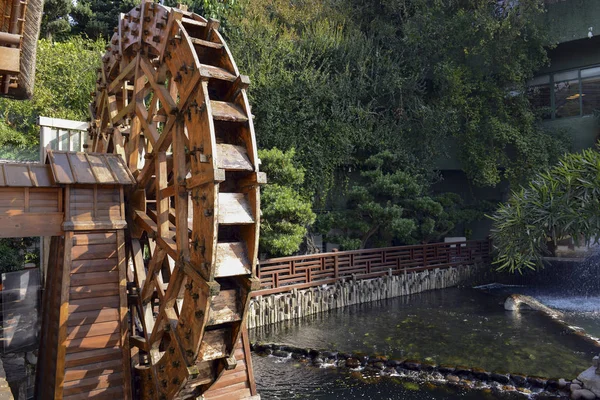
(170, 100)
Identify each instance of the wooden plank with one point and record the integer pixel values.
(229, 379)
(233, 158)
(86, 266)
(232, 392)
(100, 394)
(162, 204)
(93, 304)
(31, 224)
(223, 111)
(63, 316)
(42, 175)
(234, 209)
(17, 175)
(226, 307)
(10, 60)
(118, 168)
(92, 383)
(94, 251)
(86, 292)
(126, 72)
(81, 167)
(232, 260)
(91, 370)
(159, 89)
(196, 180)
(123, 313)
(93, 357)
(151, 133)
(94, 278)
(214, 344)
(61, 168)
(193, 22)
(248, 359)
(99, 169)
(95, 238)
(93, 317)
(213, 72)
(206, 43)
(90, 330)
(92, 343)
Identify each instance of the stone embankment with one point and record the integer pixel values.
(265, 310)
(413, 370)
(587, 384)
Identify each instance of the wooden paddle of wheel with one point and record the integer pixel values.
(171, 102)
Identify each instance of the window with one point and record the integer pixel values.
(566, 94)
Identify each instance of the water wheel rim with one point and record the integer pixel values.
(170, 100)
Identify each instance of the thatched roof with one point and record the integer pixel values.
(19, 85)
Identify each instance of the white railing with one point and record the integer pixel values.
(61, 134)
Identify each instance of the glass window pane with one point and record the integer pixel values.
(63, 141)
(539, 96)
(586, 73)
(75, 141)
(539, 80)
(566, 76)
(590, 90)
(566, 98)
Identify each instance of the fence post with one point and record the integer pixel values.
(424, 250)
(335, 266)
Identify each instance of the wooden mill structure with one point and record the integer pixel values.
(154, 228)
(19, 30)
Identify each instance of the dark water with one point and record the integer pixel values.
(286, 379)
(452, 326)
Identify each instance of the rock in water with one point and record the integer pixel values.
(514, 301)
(590, 380)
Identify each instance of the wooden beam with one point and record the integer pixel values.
(162, 204)
(149, 129)
(123, 76)
(159, 89)
(10, 60)
(203, 179)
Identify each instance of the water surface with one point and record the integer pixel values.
(452, 326)
(285, 379)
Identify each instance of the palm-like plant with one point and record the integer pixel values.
(561, 202)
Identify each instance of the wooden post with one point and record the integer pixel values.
(335, 266)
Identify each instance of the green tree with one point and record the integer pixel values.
(391, 205)
(479, 56)
(286, 213)
(15, 252)
(97, 18)
(65, 77)
(560, 202)
(55, 20)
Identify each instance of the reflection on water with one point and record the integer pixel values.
(451, 326)
(286, 379)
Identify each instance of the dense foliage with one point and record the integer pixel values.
(560, 202)
(342, 81)
(16, 252)
(65, 76)
(345, 83)
(391, 204)
(286, 213)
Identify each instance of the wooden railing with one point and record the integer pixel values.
(283, 274)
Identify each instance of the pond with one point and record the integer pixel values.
(286, 379)
(454, 326)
